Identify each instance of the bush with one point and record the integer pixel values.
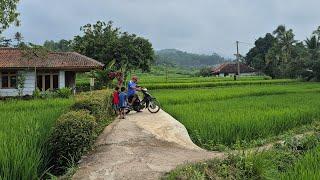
(267, 78)
(205, 72)
(73, 134)
(98, 103)
(64, 92)
(83, 86)
(48, 94)
(36, 93)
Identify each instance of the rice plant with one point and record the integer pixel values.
(227, 115)
(24, 129)
(186, 85)
(306, 168)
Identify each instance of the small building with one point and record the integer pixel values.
(54, 71)
(231, 68)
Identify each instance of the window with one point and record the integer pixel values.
(8, 80)
(47, 81)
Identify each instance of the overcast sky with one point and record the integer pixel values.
(200, 26)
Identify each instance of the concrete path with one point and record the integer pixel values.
(142, 146)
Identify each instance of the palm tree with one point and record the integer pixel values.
(285, 39)
(313, 45)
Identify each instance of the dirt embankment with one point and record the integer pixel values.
(143, 146)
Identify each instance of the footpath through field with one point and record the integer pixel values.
(143, 146)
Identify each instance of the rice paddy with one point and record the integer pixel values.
(226, 115)
(24, 128)
(244, 111)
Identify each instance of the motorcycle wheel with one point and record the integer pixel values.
(127, 111)
(154, 106)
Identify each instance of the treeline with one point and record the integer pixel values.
(280, 55)
(109, 45)
(179, 58)
(59, 46)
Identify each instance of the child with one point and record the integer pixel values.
(122, 102)
(115, 100)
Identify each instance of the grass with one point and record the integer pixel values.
(228, 115)
(306, 168)
(295, 159)
(185, 79)
(186, 85)
(177, 96)
(24, 129)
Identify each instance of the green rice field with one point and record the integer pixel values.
(244, 111)
(24, 128)
(225, 115)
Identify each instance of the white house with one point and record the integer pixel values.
(55, 70)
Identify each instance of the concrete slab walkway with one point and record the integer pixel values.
(142, 146)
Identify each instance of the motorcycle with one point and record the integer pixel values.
(148, 101)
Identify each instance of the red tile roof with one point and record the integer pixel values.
(11, 58)
(232, 68)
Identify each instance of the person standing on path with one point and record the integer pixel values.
(122, 102)
(115, 100)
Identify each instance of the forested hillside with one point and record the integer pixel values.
(180, 58)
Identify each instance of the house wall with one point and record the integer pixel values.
(29, 85)
(62, 79)
(248, 74)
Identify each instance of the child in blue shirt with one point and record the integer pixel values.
(122, 102)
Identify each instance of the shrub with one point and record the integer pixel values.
(98, 103)
(73, 134)
(64, 92)
(267, 78)
(36, 93)
(48, 94)
(83, 86)
(205, 72)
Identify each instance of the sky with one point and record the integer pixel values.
(198, 26)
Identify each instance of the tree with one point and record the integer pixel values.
(173, 57)
(313, 62)
(60, 46)
(106, 43)
(18, 37)
(8, 14)
(285, 41)
(256, 57)
(205, 72)
(279, 56)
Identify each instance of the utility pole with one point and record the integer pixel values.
(238, 58)
(166, 72)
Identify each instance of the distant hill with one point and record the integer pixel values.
(185, 59)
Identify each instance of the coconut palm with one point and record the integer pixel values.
(285, 41)
(313, 43)
(313, 46)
